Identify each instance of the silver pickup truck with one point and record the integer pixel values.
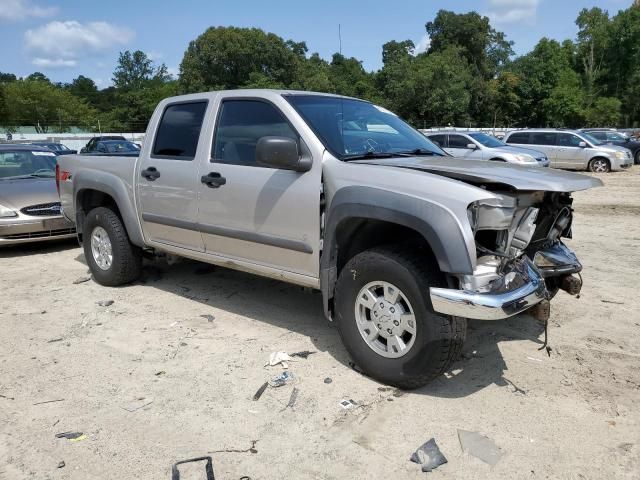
(337, 194)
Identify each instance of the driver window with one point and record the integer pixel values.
(458, 141)
(568, 140)
(241, 123)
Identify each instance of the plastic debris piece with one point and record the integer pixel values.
(328, 380)
(429, 456)
(78, 439)
(479, 446)
(105, 303)
(347, 404)
(161, 372)
(208, 318)
(303, 354)
(282, 379)
(293, 398)
(54, 340)
(278, 358)
(69, 435)
(260, 391)
(208, 468)
(81, 280)
(61, 464)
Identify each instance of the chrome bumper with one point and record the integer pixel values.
(26, 230)
(530, 291)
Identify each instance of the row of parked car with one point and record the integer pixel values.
(597, 150)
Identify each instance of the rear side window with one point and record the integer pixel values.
(543, 138)
(440, 140)
(458, 141)
(179, 131)
(598, 135)
(241, 123)
(520, 138)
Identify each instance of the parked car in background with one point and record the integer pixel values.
(337, 194)
(57, 148)
(616, 138)
(480, 146)
(91, 144)
(29, 204)
(572, 149)
(114, 147)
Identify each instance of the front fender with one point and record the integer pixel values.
(439, 226)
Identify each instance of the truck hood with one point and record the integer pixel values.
(485, 172)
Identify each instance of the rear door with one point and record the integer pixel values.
(259, 215)
(167, 177)
(545, 142)
(569, 153)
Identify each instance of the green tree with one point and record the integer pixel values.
(38, 77)
(226, 57)
(593, 40)
(7, 77)
(135, 69)
(44, 106)
(604, 112)
(84, 88)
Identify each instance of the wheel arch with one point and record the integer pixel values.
(106, 190)
(360, 218)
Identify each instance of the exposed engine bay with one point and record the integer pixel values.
(530, 224)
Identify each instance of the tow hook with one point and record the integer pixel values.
(570, 284)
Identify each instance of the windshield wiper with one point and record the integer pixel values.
(369, 155)
(420, 151)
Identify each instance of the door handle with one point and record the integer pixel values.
(150, 173)
(213, 180)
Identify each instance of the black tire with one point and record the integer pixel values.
(637, 158)
(592, 164)
(127, 258)
(439, 338)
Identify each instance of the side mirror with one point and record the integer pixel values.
(282, 153)
(471, 146)
(83, 150)
(582, 144)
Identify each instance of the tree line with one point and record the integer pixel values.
(469, 76)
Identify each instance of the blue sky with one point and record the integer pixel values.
(65, 38)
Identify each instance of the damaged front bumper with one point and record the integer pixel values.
(523, 287)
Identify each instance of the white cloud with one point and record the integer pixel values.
(512, 11)
(53, 62)
(173, 71)
(14, 10)
(154, 56)
(60, 42)
(423, 45)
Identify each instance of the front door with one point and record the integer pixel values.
(252, 213)
(168, 178)
(459, 148)
(569, 153)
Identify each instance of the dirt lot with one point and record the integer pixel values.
(190, 379)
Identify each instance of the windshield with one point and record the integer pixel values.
(350, 129)
(617, 136)
(487, 140)
(27, 164)
(592, 139)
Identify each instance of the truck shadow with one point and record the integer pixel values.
(292, 308)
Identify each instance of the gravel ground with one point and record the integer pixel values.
(168, 372)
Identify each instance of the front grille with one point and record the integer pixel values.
(44, 234)
(43, 210)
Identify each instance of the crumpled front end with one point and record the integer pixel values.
(521, 259)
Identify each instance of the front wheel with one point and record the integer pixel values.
(386, 320)
(637, 158)
(599, 165)
(112, 258)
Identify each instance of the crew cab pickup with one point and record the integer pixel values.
(405, 242)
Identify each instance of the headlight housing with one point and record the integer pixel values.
(524, 158)
(620, 155)
(6, 212)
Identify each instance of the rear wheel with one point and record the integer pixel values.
(637, 158)
(386, 321)
(112, 258)
(599, 165)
